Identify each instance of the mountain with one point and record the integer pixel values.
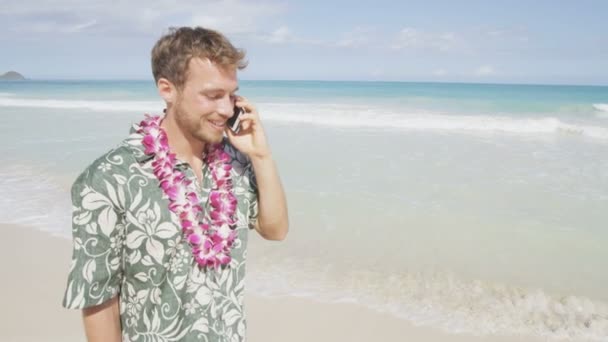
(11, 76)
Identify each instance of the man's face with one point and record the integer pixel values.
(206, 101)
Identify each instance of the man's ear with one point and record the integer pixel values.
(167, 91)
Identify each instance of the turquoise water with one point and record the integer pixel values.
(477, 208)
(499, 98)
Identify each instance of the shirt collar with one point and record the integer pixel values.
(134, 143)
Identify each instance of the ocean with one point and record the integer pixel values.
(471, 207)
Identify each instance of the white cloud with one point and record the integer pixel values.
(485, 70)
(496, 33)
(48, 27)
(377, 73)
(411, 38)
(518, 33)
(408, 37)
(235, 16)
(280, 35)
(284, 35)
(135, 16)
(439, 72)
(81, 27)
(356, 38)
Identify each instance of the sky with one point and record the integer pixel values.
(543, 42)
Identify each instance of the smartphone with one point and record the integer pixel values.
(235, 120)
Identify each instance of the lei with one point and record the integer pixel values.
(210, 234)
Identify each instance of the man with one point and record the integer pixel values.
(160, 223)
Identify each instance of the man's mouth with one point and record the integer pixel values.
(218, 124)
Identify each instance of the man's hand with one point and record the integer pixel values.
(250, 139)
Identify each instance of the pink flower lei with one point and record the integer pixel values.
(212, 237)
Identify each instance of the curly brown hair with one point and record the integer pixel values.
(172, 53)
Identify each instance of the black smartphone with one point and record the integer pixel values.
(235, 120)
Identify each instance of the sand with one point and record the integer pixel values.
(36, 264)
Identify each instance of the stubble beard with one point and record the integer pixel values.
(193, 126)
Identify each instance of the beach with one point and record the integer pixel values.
(418, 211)
(33, 312)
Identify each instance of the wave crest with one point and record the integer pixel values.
(355, 116)
(602, 107)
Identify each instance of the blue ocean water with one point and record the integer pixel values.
(497, 98)
(471, 207)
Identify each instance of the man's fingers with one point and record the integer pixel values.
(243, 103)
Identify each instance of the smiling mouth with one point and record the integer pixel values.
(218, 124)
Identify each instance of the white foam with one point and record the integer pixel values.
(103, 106)
(416, 120)
(355, 116)
(602, 107)
(445, 301)
(601, 110)
(33, 199)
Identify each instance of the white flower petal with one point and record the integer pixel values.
(155, 249)
(135, 238)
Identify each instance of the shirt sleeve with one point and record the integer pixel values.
(97, 240)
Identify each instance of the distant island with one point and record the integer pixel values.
(12, 76)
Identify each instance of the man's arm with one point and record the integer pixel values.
(102, 322)
(94, 280)
(272, 222)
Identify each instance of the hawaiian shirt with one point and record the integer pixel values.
(127, 242)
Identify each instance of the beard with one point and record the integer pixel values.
(193, 126)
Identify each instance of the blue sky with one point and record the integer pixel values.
(441, 41)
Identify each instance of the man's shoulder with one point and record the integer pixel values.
(111, 166)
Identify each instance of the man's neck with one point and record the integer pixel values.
(186, 147)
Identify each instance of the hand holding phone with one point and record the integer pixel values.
(235, 121)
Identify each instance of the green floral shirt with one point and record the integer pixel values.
(127, 242)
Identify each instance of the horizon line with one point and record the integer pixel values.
(329, 81)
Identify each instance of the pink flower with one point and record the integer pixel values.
(221, 174)
(221, 217)
(211, 238)
(223, 200)
(186, 224)
(195, 239)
